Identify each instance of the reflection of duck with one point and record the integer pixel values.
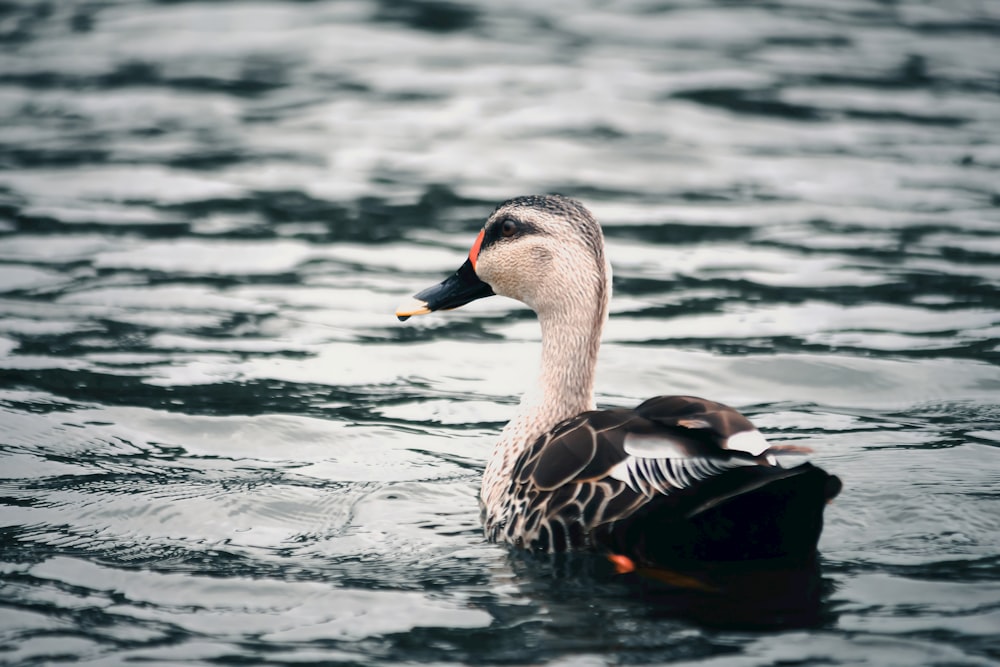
(676, 479)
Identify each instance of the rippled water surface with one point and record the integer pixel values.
(218, 446)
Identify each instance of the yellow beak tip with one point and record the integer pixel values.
(411, 308)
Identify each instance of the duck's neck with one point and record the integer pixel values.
(571, 338)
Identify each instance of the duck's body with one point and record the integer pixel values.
(678, 478)
(643, 484)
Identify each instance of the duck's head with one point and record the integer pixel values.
(546, 251)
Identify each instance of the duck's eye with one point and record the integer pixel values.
(508, 227)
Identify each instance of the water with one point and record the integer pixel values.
(219, 446)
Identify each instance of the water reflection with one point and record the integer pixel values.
(757, 596)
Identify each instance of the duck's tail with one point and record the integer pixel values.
(748, 514)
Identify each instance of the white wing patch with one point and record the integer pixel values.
(751, 442)
(654, 446)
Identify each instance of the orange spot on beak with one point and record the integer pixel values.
(474, 251)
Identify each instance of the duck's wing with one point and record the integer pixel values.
(705, 420)
(667, 444)
(624, 478)
(602, 466)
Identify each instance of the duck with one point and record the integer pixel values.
(675, 480)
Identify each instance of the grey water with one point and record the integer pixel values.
(218, 446)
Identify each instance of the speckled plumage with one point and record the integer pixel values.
(584, 483)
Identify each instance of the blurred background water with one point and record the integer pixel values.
(218, 446)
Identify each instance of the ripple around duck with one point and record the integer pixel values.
(218, 445)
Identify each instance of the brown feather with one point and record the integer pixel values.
(564, 456)
(695, 413)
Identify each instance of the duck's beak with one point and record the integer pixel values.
(456, 290)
